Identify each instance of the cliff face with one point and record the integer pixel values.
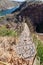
(33, 11)
(5, 4)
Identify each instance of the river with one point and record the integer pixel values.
(8, 11)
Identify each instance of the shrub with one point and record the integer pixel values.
(40, 51)
(7, 32)
(39, 47)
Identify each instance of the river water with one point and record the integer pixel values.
(8, 11)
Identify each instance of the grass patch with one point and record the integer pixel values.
(7, 32)
(39, 47)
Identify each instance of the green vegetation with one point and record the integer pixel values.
(39, 48)
(7, 32)
(2, 18)
(40, 51)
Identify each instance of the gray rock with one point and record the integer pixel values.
(25, 46)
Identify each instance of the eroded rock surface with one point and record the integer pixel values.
(25, 46)
(21, 52)
(6, 4)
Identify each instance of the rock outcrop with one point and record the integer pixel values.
(17, 51)
(32, 10)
